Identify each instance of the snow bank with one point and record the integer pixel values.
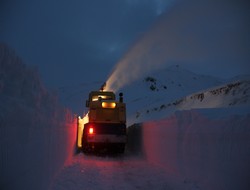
(36, 133)
(202, 148)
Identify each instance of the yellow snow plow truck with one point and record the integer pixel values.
(104, 126)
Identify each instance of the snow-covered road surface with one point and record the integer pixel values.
(107, 172)
(194, 149)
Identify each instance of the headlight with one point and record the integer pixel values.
(108, 104)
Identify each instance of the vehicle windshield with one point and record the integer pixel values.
(101, 97)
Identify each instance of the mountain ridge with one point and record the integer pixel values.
(177, 88)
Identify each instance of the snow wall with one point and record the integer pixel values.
(198, 147)
(37, 135)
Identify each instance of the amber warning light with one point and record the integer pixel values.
(108, 104)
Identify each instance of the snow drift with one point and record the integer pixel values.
(35, 131)
(210, 153)
(195, 127)
(199, 149)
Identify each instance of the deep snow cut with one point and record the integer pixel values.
(36, 132)
(208, 148)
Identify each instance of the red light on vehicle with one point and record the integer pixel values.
(91, 130)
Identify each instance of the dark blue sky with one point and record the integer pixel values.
(68, 39)
(77, 43)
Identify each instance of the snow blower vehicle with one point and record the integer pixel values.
(104, 126)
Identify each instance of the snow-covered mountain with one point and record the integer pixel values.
(231, 94)
(176, 88)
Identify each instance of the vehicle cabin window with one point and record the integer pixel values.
(101, 97)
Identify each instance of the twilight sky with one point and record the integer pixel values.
(75, 40)
(80, 41)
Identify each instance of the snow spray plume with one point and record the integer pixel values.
(142, 58)
(181, 36)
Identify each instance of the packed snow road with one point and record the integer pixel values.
(107, 172)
